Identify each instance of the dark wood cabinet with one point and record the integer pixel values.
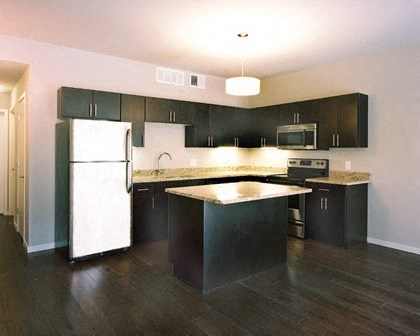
(169, 111)
(343, 121)
(82, 103)
(336, 214)
(132, 110)
(150, 209)
(200, 134)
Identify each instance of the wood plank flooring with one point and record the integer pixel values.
(322, 290)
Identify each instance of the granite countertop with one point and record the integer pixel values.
(343, 178)
(229, 193)
(149, 176)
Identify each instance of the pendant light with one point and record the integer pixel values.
(242, 86)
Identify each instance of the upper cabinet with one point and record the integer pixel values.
(162, 110)
(81, 103)
(304, 112)
(343, 121)
(133, 110)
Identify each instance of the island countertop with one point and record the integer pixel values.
(229, 193)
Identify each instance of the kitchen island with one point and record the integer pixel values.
(225, 232)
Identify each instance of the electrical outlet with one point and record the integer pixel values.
(347, 165)
(193, 162)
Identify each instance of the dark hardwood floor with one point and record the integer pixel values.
(323, 290)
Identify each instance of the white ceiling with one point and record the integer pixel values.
(200, 36)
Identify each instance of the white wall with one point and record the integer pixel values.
(51, 67)
(392, 81)
(4, 101)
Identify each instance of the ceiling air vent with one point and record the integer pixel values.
(198, 81)
(169, 76)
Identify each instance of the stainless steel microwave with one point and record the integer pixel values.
(297, 136)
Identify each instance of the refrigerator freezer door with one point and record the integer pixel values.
(100, 208)
(99, 140)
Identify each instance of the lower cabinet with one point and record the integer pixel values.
(150, 209)
(337, 214)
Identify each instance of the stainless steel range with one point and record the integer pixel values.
(298, 170)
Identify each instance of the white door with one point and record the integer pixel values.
(3, 161)
(11, 199)
(100, 208)
(21, 150)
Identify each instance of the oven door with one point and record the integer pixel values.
(299, 136)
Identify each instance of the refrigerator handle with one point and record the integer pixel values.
(128, 149)
(128, 177)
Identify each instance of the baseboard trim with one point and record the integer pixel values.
(396, 246)
(44, 247)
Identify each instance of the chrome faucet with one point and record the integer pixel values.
(158, 172)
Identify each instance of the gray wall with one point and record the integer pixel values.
(392, 81)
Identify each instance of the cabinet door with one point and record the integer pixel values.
(327, 124)
(288, 113)
(132, 110)
(325, 213)
(74, 103)
(268, 122)
(143, 220)
(215, 124)
(228, 126)
(108, 105)
(307, 111)
(247, 128)
(197, 134)
(182, 111)
(352, 120)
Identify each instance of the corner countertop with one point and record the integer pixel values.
(343, 178)
(229, 193)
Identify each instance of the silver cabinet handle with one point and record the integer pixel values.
(170, 116)
(326, 203)
(212, 143)
(174, 116)
(323, 189)
(90, 110)
(261, 142)
(208, 141)
(333, 140)
(95, 110)
(294, 118)
(338, 140)
(143, 189)
(322, 203)
(265, 141)
(153, 202)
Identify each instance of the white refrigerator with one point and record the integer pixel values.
(100, 183)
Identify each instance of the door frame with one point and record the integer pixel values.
(5, 159)
(21, 162)
(11, 172)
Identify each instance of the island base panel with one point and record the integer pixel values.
(212, 244)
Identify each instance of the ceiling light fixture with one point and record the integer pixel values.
(242, 86)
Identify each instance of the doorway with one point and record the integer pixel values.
(21, 167)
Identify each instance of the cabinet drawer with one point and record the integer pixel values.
(143, 189)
